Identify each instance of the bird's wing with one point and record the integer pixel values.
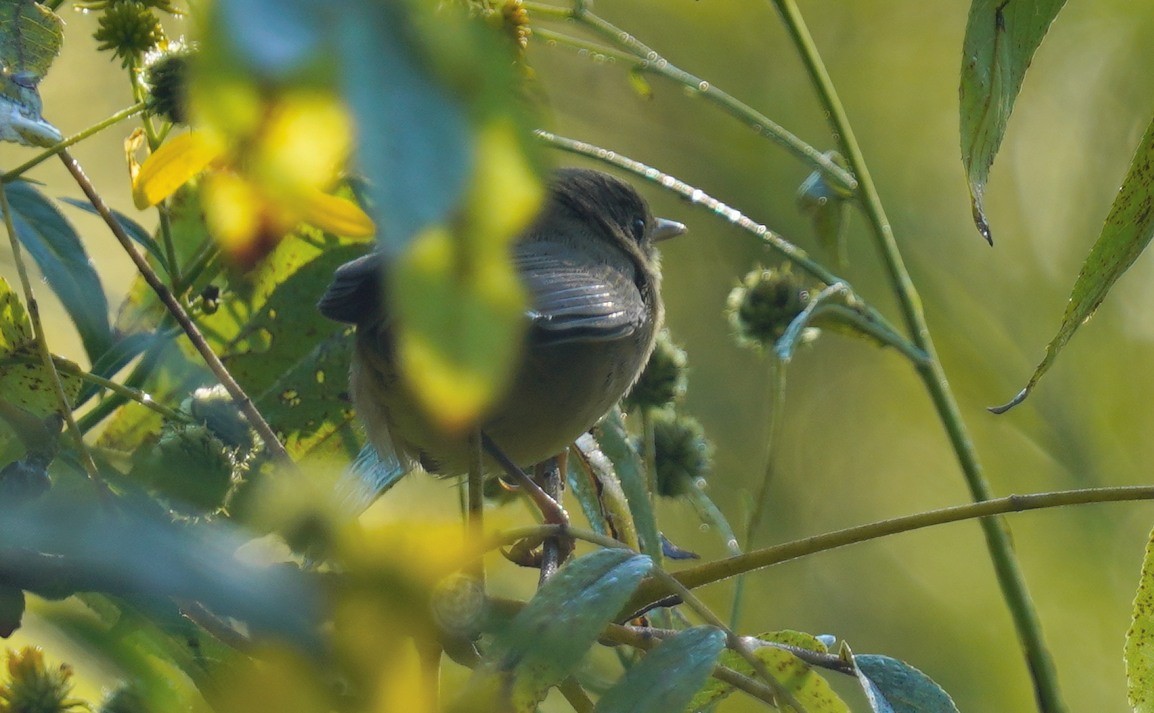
(354, 296)
(574, 299)
(571, 299)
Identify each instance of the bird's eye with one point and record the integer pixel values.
(638, 227)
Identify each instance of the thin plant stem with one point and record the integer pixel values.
(647, 638)
(255, 419)
(46, 354)
(575, 695)
(719, 570)
(998, 540)
(69, 141)
(879, 325)
(164, 225)
(91, 418)
(735, 642)
(648, 60)
(775, 386)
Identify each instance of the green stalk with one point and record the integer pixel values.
(997, 533)
(75, 138)
(648, 60)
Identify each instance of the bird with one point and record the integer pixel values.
(590, 267)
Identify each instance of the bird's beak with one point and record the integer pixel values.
(665, 229)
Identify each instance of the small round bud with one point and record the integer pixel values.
(682, 453)
(129, 28)
(167, 76)
(764, 303)
(190, 467)
(662, 382)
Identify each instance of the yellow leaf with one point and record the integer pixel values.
(172, 165)
(505, 193)
(460, 328)
(460, 303)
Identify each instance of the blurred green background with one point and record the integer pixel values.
(861, 441)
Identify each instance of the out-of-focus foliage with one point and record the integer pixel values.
(210, 580)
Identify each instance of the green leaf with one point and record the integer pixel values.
(615, 444)
(116, 358)
(135, 230)
(794, 675)
(139, 553)
(413, 133)
(1125, 234)
(548, 638)
(1139, 649)
(593, 481)
(24, 381)
(53, 243)
(1001, 37)
(276, 38)
(894, 686)
(292, 361)
(30, 37)
(668, 677)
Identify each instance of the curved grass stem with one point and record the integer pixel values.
(998, 541)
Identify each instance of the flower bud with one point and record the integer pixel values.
(682, 453)
(764, 303)
(662, 382)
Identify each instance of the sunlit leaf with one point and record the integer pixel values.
(794, 675)
(668, 677)
(1001, 38)
(30, 37)
(894, 686)
(599, 492)
(60, 255)
(460, 306)
(1125, 234)
(539, 648)
(174, 164)
(459, 329)
(1139, 649)
(24, 381)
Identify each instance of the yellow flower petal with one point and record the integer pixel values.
(172, 165)
(335, 215)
